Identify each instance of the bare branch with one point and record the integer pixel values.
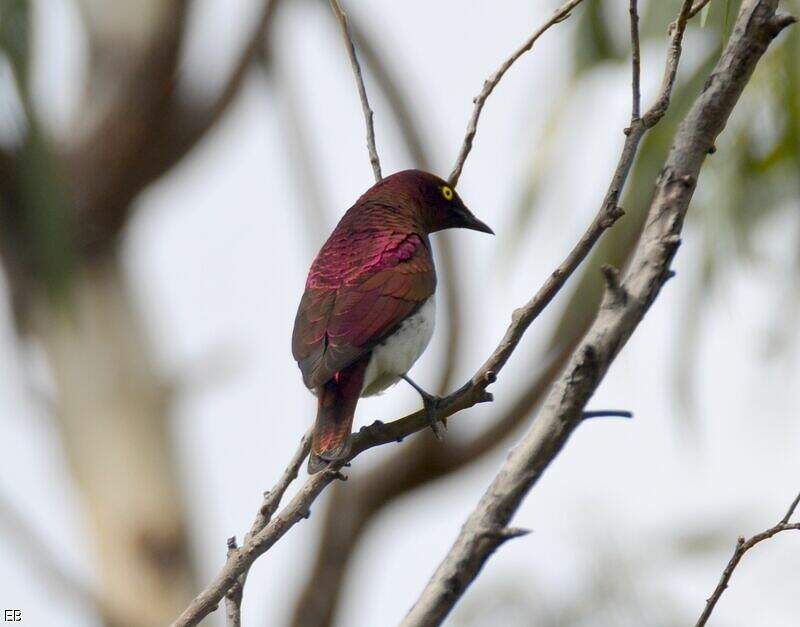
(362, 92)
(606, 413)
(742, 547)
(790, 512)
(271, 502)
(233, 598)
(490, 83)
(697, 7)
(397, 99)
(623, 308)
(635, 60)
(676, 30)
(272, 499)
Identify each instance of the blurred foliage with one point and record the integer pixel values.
(37, 210)
(597, 42)
(755, 176)
(15, 18)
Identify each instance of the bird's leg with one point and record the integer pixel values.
(431, 403)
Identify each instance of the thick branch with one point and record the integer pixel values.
(623, 307)
(362, 92)
(488, 86)
(742, 547)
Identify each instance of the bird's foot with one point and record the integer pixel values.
(431, 404)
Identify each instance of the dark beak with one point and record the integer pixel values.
(471, 222)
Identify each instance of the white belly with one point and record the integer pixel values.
(397, 353)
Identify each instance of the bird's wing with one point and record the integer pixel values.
(335, 325)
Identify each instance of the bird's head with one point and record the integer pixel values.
(431, 199)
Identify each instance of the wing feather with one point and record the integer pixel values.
(336, 324)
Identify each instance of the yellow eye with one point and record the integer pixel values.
(447, 192)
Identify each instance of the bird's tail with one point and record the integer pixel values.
(335, 410)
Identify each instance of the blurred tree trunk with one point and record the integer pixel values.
(113, 414)
(64, 205)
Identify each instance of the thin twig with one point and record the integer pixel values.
(742, 547)
(488, 86)
(362, 92)
(676, 30)
(624, 306)
(635, 60)
(790, 511)
(607, 413)
(272, 499)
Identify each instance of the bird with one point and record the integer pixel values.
(367, 312)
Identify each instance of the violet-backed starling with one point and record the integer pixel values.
(367, 312)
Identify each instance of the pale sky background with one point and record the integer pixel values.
(218, 255)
